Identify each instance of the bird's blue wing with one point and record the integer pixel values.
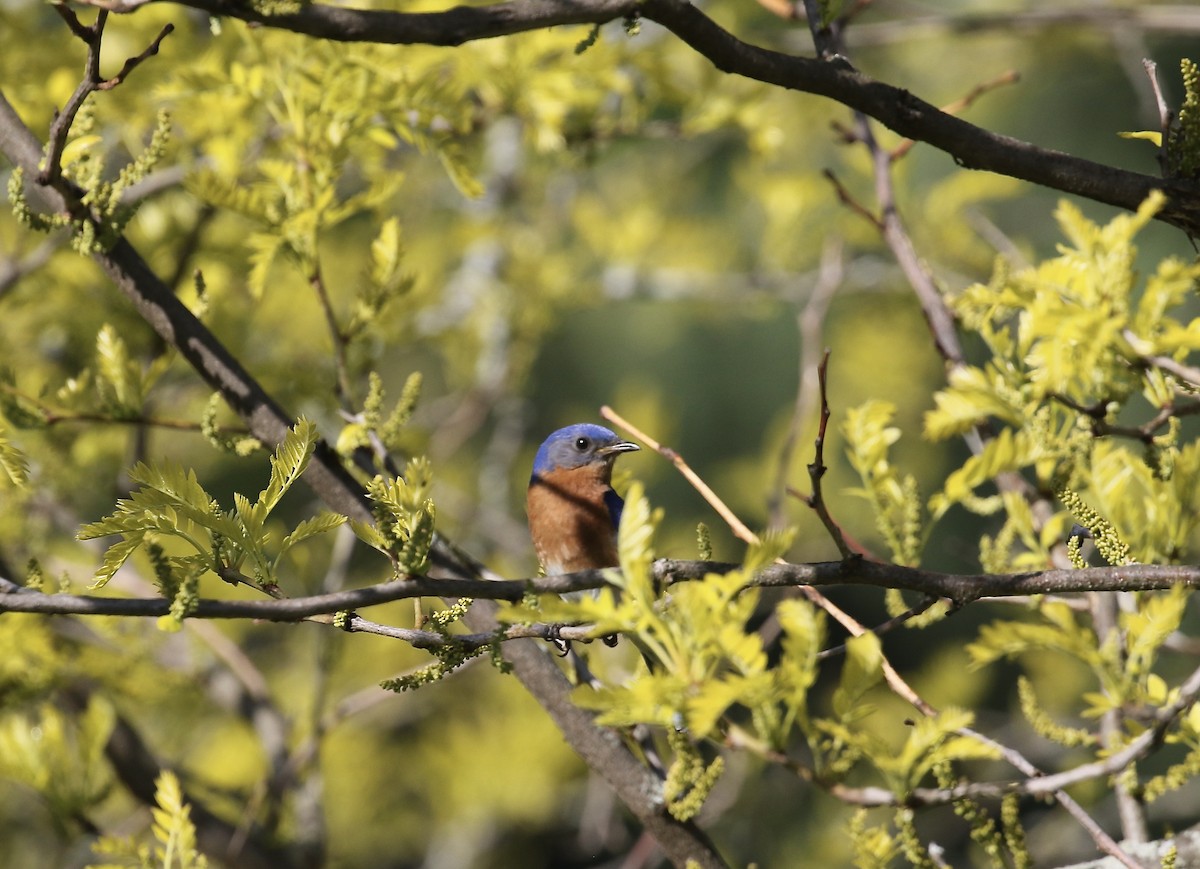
(615, 506)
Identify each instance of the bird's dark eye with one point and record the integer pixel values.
(582, 444)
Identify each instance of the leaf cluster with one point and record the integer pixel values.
(404, 517)
(107, 206)
(173, 506)
(708, 677)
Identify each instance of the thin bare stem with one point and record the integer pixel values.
(817, 469)
(846, 198)
(809, 324)
(884, 627)
(1165, 116)
(92, 36)
(132, 63)
(336, 335)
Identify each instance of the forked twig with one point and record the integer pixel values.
(817, 469)
(92, 36)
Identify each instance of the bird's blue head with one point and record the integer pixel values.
(578, 445)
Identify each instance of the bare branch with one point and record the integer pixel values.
(817, 469)
(960, 588)
(132, 63)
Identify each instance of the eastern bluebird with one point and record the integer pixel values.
(573, 510)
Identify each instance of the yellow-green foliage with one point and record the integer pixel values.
(1123, 668)
(894, 496)
(172, 505)
(450, 219)
(1069, 346)
(702, 661)
(174, 836)
(404, 516)
(58, 755)
(874, 847)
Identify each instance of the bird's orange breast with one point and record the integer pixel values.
(570, 522)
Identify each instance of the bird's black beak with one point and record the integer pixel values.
(618, 447)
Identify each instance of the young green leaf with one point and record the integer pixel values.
(290, 459)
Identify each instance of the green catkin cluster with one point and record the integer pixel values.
(689, 780)
(450, 657)
(1114, 550)
(1170, 858)
(1014, 832)
(1075, 551)
(995, 553)
(983, 827)
(394, 426)
(1175, 777)
(910, 843)
(1044, 725)
(441, 620)
(35, 577)
(107, 213)
(238, 445)
(1183, 143)
(184, 603)
(704, 548)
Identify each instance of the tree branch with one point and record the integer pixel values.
(970, 146)
(960, 588)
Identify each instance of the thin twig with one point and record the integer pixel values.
(336, 335)
(809, 324)
(92, 36)
(134, 62)
(1165, 116)
(740, 530)
(60, 128)
(817, 469)
(1186, 373)
(846, 198)
(884, 627)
